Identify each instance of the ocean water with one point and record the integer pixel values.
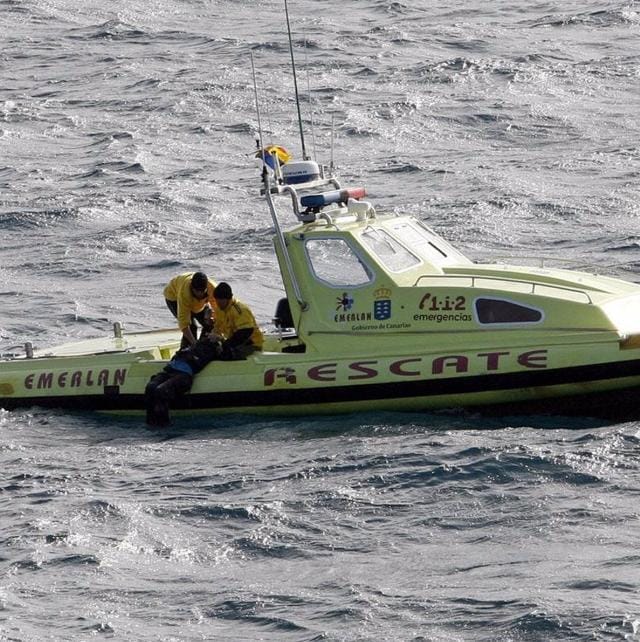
(127, 133)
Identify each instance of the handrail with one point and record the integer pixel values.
(285, 252)
(545, 261)
(295, 197)
(473, 278)
(478, 331)
(542, 261)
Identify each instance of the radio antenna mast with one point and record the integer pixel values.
(295, 83)
(259, 142)
(255, 91)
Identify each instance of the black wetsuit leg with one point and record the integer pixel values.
(161, 391)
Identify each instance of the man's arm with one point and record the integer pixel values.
(239, 337)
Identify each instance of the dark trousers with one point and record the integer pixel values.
(161, 391)
(195, 316)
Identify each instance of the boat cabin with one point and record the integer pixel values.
(349, 272)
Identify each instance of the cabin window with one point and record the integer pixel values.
(493, 311)
(415, 238)
(334, 262)
(392, 255)
(426, 243)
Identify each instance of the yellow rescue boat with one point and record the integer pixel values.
(381, 313)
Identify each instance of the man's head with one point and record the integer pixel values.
(223, 295)
(199, 285)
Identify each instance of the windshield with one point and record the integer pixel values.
(394, 256)
(334, 262)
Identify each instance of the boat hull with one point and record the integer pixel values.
(531, 379)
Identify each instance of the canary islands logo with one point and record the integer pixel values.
(382, 304)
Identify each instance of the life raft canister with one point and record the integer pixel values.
(300, 172)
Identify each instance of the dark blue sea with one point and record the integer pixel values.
(127, 132)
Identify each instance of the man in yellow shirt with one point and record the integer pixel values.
(189, 296)
(236, 325)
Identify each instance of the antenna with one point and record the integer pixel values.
(306, 64)
(259, 141)
(295, 83)
(332, 136)
(255, 92)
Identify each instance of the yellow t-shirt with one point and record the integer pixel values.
(179, 290)
(238, 316)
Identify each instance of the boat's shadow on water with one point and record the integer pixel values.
(361, 425)
(104, 427)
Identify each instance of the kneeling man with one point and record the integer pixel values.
(235, 325)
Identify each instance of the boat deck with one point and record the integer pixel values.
(158, 345)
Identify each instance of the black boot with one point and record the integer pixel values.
(158, 415)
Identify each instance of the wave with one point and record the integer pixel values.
(111, 30)
(30, 218)
(104, 168)
(239, 610)
(603, 18)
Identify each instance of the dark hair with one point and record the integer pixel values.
(199, 281)
(223, 291)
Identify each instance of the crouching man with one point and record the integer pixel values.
(235, 325)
